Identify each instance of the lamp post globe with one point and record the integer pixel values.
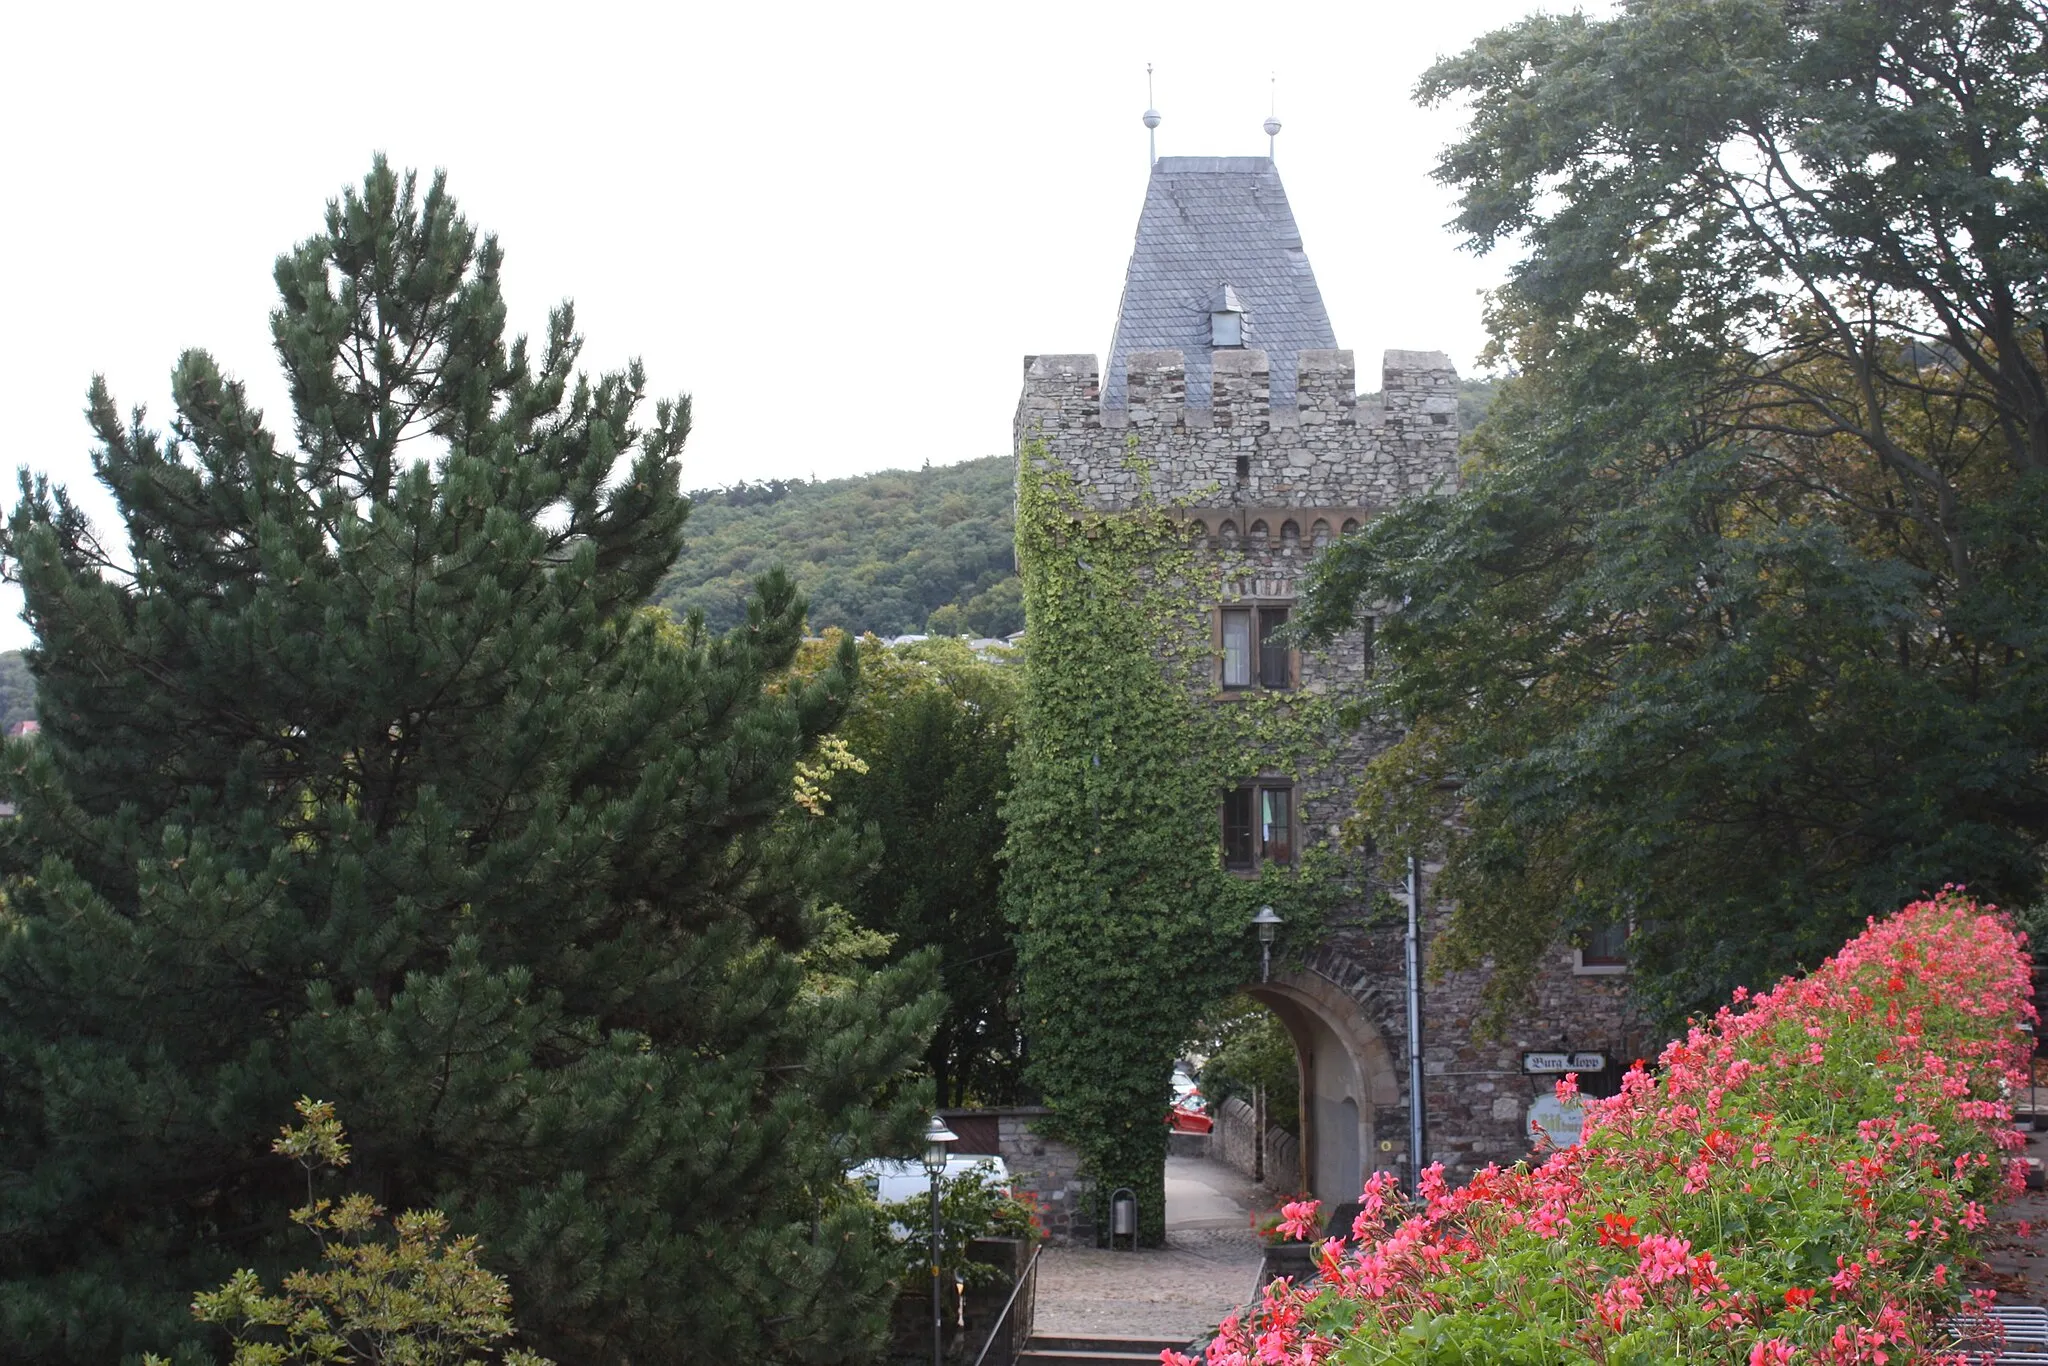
(936, 1137)
(1267, 922)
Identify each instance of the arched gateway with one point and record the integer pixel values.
(1348, 1075)
(1251, 427)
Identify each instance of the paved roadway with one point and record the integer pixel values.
(1208, 1267)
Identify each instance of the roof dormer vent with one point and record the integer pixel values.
(1228, 323)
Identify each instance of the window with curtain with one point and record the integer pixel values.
(1237, 647)
(1253, 653)
(1258, 826)
(1276, 824)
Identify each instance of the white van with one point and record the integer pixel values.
(895, 1178)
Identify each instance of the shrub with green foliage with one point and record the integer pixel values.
(418, 1297)
(972, 1204)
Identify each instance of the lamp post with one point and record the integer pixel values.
(1412, 953)
(936, 1137)
(1267, 922)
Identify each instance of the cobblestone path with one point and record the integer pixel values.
(1208, 1267)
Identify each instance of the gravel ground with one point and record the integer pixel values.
(1209, 1266)
(2017, 1263)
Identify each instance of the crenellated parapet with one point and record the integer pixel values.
(1324, 449)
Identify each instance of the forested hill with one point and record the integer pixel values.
(880, 552)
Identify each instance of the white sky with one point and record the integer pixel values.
(839, 227)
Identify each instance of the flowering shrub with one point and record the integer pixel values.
(1799, 1181)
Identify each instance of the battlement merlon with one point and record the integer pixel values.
(1061, 394)
(1413, 384)
(1419, 406)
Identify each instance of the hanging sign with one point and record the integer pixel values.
(1557, 1064)
(1563, 1122)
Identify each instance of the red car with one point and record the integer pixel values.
(1190, 1115)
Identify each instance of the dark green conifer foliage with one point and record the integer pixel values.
(368, 778)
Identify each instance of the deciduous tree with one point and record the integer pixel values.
(1735, 630)
(935, 727)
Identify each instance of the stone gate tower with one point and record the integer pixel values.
(1225, 378)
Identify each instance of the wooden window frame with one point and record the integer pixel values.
(1602, 965)
(1253, 793)
(1257, 674)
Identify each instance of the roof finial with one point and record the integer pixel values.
(1272, 122)
(1151, 120)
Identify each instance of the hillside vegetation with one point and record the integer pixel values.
(879, 552)
(17, 690)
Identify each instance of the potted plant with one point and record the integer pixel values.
(1284, 1231)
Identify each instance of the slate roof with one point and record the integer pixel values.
(1210, 222)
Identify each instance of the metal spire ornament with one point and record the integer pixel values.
(1151, 120)
(1273, 122)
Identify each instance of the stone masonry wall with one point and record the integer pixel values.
(1047, 1170)
(1233, 1141)
(1263, 490)
(1476, 1095)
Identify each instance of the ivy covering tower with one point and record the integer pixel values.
(363, 774)
(1186, 758)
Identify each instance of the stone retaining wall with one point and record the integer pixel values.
(1232, 1141)
(1046, 1169)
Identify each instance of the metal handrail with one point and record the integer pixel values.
(1030, 1270)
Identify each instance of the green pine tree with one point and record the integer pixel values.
(365, 774)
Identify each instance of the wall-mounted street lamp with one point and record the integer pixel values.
(936, 1137)
(1268, 925)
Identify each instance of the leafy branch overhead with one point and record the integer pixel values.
(1734, 631)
